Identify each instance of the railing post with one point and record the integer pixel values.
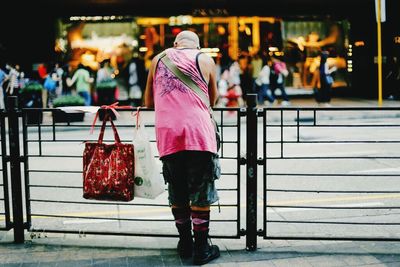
(251, 157)
(15, 165)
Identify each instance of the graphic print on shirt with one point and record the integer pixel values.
(172, 82)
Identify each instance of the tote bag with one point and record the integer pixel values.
(108, 168)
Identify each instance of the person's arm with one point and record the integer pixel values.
(332, 69)
(71, 81)
(209, 71)
(88, 78)
(212, 84)
(148, 93)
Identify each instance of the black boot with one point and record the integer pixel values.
(185, 243)
(203, 251)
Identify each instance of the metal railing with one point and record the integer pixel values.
(5, 220)
(305, 155)
(53, 191)
(308, 161)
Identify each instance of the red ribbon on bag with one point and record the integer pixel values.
(111, 107)
(137, 116)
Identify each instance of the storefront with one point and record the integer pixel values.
(235, 23)
(89, 40)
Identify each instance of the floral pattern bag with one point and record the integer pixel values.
(108, 168)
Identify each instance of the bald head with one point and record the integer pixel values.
(187, 39)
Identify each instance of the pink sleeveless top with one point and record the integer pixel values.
(182, 119)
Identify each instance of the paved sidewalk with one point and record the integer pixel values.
(71, 250)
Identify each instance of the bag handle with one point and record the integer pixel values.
(107, 117)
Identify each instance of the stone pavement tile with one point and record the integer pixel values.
(170, 257)
(246, 256)
(387, 258)
(145, 261)
(298, 262)
(101, 262)
(393, 264)
(380, 247)
(30, 264)
(71, 263)
(353, 260)
(51, 264)
(325, 261)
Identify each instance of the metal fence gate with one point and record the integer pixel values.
(315, 185)
(53, 181)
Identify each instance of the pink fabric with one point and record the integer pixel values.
(279, 67)
(182, 119)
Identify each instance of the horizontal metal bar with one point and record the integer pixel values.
(55, 186)
(328, 222)
(64, 125)
(338, 238)
(53, 171)
(97, 203)
(335, 142)
(80, 156)
(116, 203)
(113, 219)
(80, 187)
(332, 175)
(331, 191)
(331, 108)
(39, 230)
(317, 158)
(99, 218)
(332, 125)
(332, 208)
(78, 172)
(55, 156)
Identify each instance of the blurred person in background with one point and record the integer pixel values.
(50, 84)
(105, 73)
(136, 80)
(246, 78)
(277, 79)
(58, 70)
(323, 95)
(262, 84)
(67, 74)
(82, 81)
(234, 79)
(14, 76)
(393, 79)
(257, 64)
(3, 78)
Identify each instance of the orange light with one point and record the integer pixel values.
(359, 43)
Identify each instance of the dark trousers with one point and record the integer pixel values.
(323, 95)
(281, 87)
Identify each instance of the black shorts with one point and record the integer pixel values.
(190, 176)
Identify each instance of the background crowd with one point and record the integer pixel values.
(262, 73)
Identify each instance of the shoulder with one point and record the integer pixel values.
(206, 59)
